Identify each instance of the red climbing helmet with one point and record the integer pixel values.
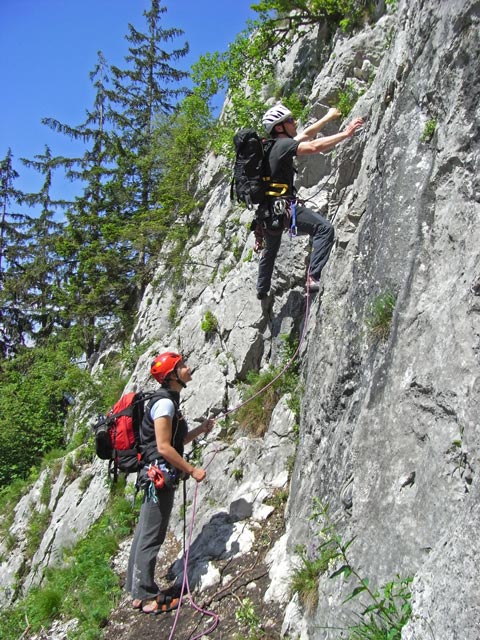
(164, 364)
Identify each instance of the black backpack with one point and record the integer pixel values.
(117, 434)
(251, 171)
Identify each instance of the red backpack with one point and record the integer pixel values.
(117, 434)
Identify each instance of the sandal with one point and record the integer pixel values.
(161, 604)
(137, 604)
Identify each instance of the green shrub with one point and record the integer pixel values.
(85, 587)
(247, 616)
(262, 391)
(172, 314)
(428, 131)
(237, 474)
(347, 98)
(254, 416)
(306, 577)
(42, 381)
(387, 608)
(249, 256)
(278, 499)
(209, 323)
(379, 315)
(37, 526)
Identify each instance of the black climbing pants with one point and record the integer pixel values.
(308, 223)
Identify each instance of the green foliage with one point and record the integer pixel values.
(249, 256)
(263, 390)
(279, 498)
(9, 497)
(37, 525)
(428, 130)
(282, 22)
(35, 391)
(236, 248)
(237, 474)
(216, 72)
(347, 98)
(172, 314)
(389, 606)
(379, 315)
(248, 617)
(209, 323)
(46, 490)
(86, 587)
(179, 144)
(306, 576)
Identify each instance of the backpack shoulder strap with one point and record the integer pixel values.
(162, 393)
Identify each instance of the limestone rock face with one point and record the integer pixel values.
(396, 420)
(388, 434)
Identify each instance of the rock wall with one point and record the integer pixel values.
(389, 430)
(389, 436)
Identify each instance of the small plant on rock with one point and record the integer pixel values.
(209, 323)
(262, 391)
(247, 616)
(237, 474)
(428, 130)
(388, 608)
(307, 575)
(379, 315)
(347, 98)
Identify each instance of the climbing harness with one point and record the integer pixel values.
(185, 583)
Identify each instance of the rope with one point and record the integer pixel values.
(185, 582)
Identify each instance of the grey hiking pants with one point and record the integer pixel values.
(149, 536)
(308, 223)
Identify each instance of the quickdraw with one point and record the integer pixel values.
(293, 219)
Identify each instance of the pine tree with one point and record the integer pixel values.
(15, 323)
(99, 280)
(144, 93)
(43, 270)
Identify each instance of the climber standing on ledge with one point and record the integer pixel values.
(280, 124)
(163, 434)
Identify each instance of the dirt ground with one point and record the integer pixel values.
(242, 577)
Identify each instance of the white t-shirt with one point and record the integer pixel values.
(162, 408)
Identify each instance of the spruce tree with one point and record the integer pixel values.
(98, 282)
(43, 272)
(15, 323)
(142, 95)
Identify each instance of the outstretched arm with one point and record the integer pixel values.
(206, 426)
(325, 144)
(310, 132)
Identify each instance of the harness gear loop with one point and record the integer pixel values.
(280, 189)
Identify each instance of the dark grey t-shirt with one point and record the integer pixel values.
(281, 162)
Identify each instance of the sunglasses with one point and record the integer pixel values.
(290, 120)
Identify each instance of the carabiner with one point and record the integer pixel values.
(293, 220)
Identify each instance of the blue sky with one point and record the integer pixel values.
(49, 47)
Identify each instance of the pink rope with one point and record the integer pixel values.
(185, 582)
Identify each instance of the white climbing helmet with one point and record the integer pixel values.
(275, 115)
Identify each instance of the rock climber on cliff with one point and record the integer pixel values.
(281, 126)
